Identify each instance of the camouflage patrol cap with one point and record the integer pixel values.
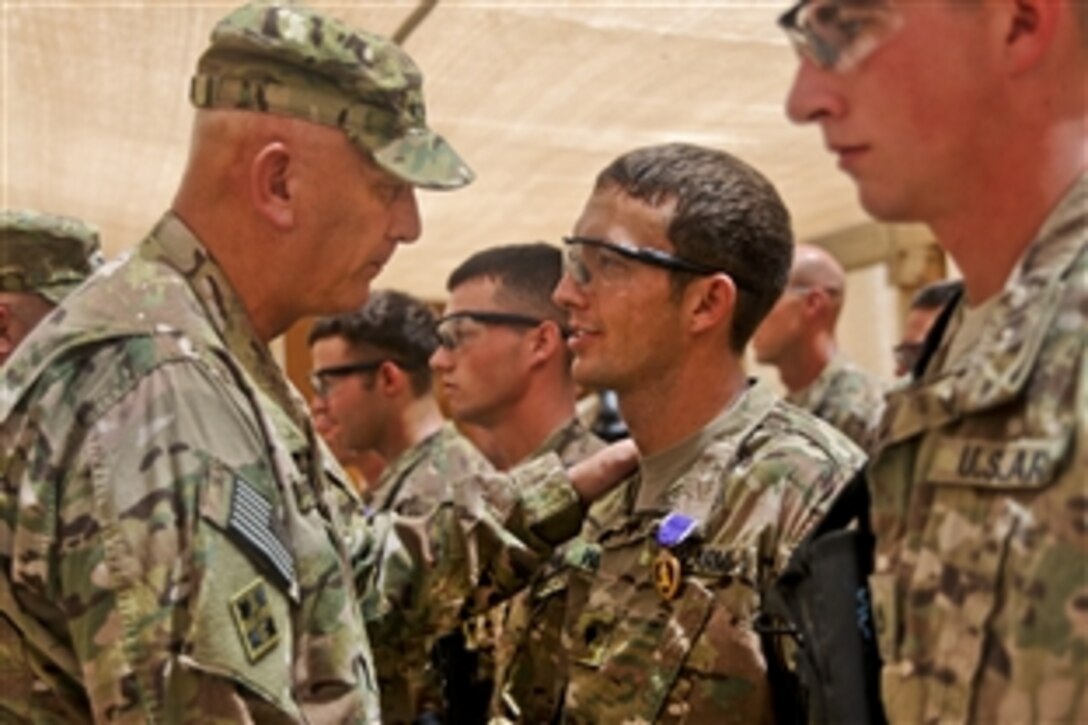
(45, 253)
(293, 61)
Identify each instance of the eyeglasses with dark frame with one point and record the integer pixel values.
(838, 34)
(451, 334)
(321, 379)
(806, 288)
(575, 265)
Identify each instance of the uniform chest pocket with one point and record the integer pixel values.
(628, 644)
(724, 676)
(987, 501)
(991, 512)
(1015, 464)
(244, 583)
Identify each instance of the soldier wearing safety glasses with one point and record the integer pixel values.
(678, 255)
(504, 368)
(373, 384)
(971, 118)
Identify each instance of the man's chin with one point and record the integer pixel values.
(889, 204)
(588, 377)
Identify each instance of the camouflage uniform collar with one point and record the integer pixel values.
(396, 472)
(174, 244)
(663, 482)
(560, 438)
(1061, 238)
(809, 397)
(995, 369)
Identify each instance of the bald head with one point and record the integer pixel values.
(814, 268)
(804, 317)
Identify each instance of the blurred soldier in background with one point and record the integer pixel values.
(43, 257)
(971, 118)
(798, 338)
(364, 466)
(371, 375)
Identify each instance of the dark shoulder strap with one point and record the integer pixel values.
(935, 335)
(851, 504)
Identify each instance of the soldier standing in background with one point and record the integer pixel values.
(43, 257)
(174, 544)
(371, 372)
(504, 367)
(971, 117)
(798, 338)
(503, 363)
(678, 255)
(371, 375)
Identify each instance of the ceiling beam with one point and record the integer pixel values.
(410, 23)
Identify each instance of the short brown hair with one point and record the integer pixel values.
(398, 324)
(727, 216)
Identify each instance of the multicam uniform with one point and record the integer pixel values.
(415, 484)
(529, 651)
(980, 506)
(847, 397)
(663, 630)
(170, 547)
(421, 476)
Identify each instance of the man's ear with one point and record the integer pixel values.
(271, 180)
(390, 378)
(545, 342)
(1029, 27)
(815, 302)
(711, 300)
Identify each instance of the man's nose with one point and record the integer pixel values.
(812, 95)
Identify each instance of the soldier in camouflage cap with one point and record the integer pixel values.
(43, 257)
(292, 61)
(679, 253)
(970, 117)
(175, 543)
(798, 338)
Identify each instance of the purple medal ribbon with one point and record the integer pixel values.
(674, 529)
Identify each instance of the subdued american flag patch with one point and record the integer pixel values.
(251, 518)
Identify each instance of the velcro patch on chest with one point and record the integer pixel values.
(254, 620)
(251, 518)
(1029, 463)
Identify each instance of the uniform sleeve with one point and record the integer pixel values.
(172, 614)
(472, 551)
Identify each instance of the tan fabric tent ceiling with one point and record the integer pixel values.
(538, 96)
